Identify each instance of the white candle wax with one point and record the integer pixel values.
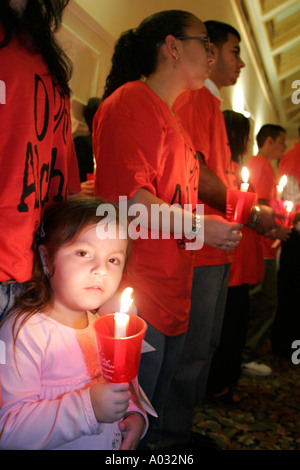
(121, 322)
(244, 187)
(245, 177)
(279, 192)
(280, 187)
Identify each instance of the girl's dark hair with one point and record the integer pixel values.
(135, 53)
(35, 30)
(61, 224)
(238, 128)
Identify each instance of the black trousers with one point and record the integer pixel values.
(286, 326)
(226, 363)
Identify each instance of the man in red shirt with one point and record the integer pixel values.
(263, 297)
(290, 163)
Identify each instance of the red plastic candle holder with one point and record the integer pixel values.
(90, 176)
(238, 206)
(119, 357)
(280, 208)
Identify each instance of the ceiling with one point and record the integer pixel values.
(274, 26)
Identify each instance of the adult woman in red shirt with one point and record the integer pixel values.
(143, 152)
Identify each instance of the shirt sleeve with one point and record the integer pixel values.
(26, 420)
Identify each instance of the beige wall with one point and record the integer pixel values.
(92, 26)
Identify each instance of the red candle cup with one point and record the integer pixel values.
(289, 221)
(280, 208)
(90, 177)
(119, 357)
(238, 206)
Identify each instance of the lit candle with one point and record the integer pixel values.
(121, 318)
(121, 322)
(289, 211)
(245, 177)
(281, 186)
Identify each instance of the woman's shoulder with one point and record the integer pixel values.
(135, 95)
(134, 102)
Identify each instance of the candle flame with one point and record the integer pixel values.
(289, 206)
(245, 174)
(282, 182)
(126, 301)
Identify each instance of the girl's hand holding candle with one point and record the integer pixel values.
(119, 337)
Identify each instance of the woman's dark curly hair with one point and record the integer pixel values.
(135, 53)
(39, 21)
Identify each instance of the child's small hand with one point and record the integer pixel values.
(110, 401)
(132, 429)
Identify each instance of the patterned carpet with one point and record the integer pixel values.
(267, 417)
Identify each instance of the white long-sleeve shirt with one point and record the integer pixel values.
(45, 386)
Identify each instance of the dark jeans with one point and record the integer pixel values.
(286, 326)
(210, 284)
(155, 374)
(8, 296)
(226, 364)
(263, 306)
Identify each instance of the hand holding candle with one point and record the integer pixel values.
(119, 337)
(239, 203)
(282, 207)
(290, 215)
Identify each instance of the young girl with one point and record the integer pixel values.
(53, 394)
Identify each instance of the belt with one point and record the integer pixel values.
(7, 283)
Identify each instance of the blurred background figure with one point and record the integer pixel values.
(246, 269)
(83, 143)
(84, 149)
(263, 296)
(286, 325)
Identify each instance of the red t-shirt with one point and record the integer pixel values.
(202, 117)
(247, 266)
(139, 143)
(290, 163)
(263, 178)
(38, 161)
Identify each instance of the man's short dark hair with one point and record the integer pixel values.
(218, 32)
(268, 130)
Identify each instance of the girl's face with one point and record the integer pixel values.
(87, 273)
(195, 56)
